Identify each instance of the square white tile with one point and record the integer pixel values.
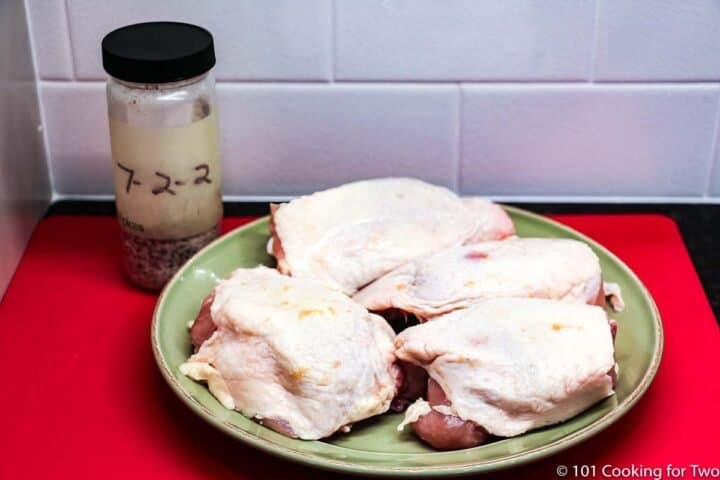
(657, 40)
(292, 139)
(76, 126)
(607, 140)
(278, 140)
(463, 39)
(50, 39)
(278, 40)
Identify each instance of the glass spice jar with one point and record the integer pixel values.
(165, 145)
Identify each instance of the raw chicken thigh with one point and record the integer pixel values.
(506, 366)
(456, 278)
(349, 236)
(297, 356)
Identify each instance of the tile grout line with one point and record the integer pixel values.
(695, 200)
(333, 46)
(713, 148)
(493, 84)
(459, 150)
(395, 83)
(40, 106)
(595, 40)
(73, 73)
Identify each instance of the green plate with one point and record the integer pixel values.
(374, 447)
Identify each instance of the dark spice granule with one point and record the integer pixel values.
(150, 263)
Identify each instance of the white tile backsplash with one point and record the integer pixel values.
(278, 139)
(78, 137)
(290, 139)
(464, 39)
(714, 180)
(587, 140)
(656, 40)
(317, 92)
(24, 184)
(51, 41)
(276, 40)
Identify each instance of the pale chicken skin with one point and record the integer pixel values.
(456, 278)
(293, 354)
(507, 366)
(350, 235)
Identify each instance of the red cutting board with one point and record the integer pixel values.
(82, 398)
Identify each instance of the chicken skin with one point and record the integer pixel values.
(299, 357)
(507, 366)
(459, 277)
(350, 235)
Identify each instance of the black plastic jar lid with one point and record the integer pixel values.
(158, 52)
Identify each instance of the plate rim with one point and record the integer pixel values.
(337, 465)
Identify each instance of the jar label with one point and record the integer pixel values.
(167, 180)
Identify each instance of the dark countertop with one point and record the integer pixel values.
(699, 225)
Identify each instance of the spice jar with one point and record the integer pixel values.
(165, 147)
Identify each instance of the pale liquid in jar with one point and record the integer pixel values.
(168, 194)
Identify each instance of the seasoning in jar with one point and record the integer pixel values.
(165, 146)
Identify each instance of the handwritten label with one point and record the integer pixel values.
(167, 180)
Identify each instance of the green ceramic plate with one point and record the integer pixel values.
(374, 447)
